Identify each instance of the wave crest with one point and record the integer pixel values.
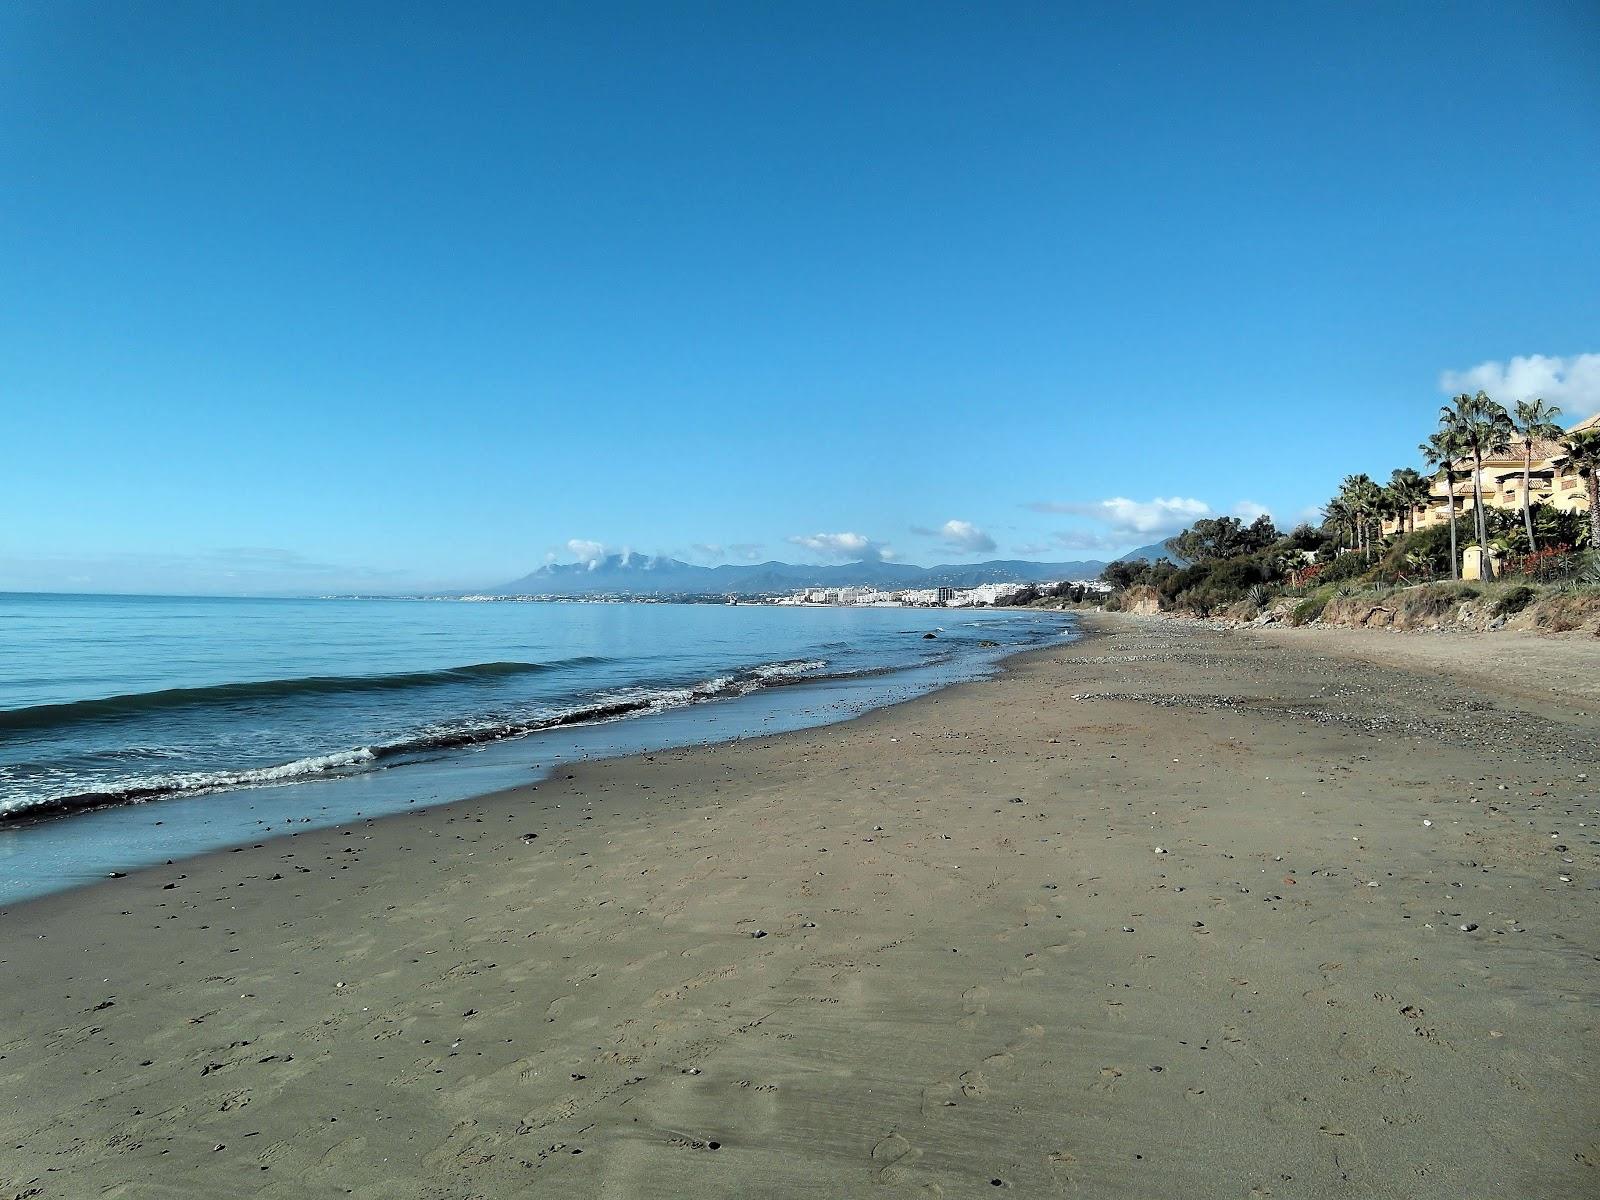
(610, 706)
(110, 708)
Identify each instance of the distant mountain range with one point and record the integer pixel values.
(655, 575)
(1154, 552)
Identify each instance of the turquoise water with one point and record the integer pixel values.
(134, 729)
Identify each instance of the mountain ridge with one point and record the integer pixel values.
(1154, 552)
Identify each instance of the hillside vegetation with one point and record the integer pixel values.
(1254, 573)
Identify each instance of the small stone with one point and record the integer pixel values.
(1468, 927)
(1127, 929)
(760, 933)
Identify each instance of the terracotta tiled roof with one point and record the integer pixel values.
(1544, 449)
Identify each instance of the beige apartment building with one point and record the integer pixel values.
(1553, 481)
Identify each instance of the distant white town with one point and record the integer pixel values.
(988, 595)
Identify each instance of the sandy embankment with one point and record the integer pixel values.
(934, 949)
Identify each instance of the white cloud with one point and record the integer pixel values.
(1572, 381)
(1142, 517)
(586, 551)
(846, 547)
(1090, 539)
(1249, 510)
(966, 537)
(718, 552)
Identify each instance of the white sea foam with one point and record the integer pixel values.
(145, 786)
(619, 704)
(788, 670)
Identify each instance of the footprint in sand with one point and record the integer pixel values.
(1352, 1048)
(1062, 1163)
(974, 1003)
(1107, 1081)
(938, 1095)
(973, 1085)
(887, 1155)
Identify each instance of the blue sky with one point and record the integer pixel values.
(321, 297)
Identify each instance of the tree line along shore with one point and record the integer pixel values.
(1502, 528)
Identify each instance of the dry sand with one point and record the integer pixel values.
(934, 950)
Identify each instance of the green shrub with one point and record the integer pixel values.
(1309, 609)
(1514, 599)
(1346, 566)
(1424, 554)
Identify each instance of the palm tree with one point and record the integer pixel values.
(1481, 428)
(1583, 452)
(1440, 452)
(1366, 498)
(1340, 517)
(1410, 492)
(1533, 421)
(1389, 505)
(1354, 515)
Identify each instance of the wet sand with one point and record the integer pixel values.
(933, 951)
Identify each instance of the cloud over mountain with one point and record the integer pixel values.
(844, 547)
(586, 551)
(965, 537)
(1133, 517)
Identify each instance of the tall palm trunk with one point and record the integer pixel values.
(1455, 554)
(1527, 486)
(1485, 569)
(1594, 509)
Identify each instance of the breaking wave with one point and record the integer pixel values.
(110, 708)
(608, 706)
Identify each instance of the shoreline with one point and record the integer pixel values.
(1081, 634)
(249, 814)
(930, 947)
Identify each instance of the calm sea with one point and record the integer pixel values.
(138, 728)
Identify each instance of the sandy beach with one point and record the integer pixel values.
(1169, 912)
